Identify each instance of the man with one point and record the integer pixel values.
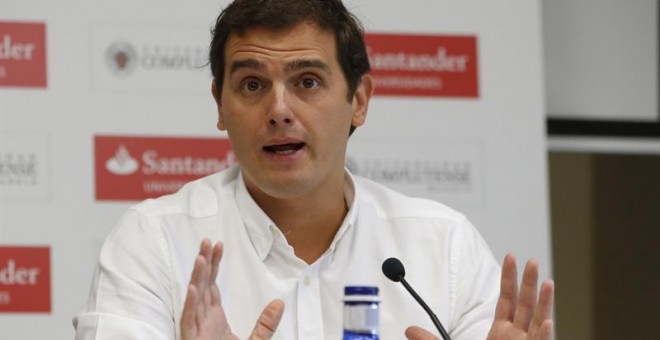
(292, 225)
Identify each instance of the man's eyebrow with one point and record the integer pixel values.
(300, 64)
(246, 63)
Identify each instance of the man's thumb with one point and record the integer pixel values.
(268, 321)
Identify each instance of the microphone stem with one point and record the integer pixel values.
(428, 310)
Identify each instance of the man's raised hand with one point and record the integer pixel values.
(519, 315)
(203, 316)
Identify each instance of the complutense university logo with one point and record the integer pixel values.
(121, 57)
(24, 165)
(146, 58)
(135, 168)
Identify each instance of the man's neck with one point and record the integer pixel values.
(309, 223)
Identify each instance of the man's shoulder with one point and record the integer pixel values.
(393, 204)
(198, 198)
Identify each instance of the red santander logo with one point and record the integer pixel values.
(25, 279)
(22, 54)
(424, 65)
(138, 167)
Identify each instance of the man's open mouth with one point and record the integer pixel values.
(284, 149)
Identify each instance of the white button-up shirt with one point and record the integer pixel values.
(144, 268)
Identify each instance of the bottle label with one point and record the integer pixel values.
(361, 318)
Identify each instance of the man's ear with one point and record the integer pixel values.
(363, 93)
(218, 103)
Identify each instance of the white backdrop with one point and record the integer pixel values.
(602, 59)
(490, 149)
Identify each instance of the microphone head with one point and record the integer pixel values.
(393, 269)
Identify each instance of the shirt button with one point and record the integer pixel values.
(306, 280)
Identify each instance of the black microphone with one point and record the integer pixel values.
(393, 269)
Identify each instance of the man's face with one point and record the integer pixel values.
(283, 104)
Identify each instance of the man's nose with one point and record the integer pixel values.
(280, 113)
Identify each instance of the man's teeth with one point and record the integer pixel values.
(284, 149)
(285, 152)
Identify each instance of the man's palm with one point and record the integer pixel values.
(518, 314)
(203, 317)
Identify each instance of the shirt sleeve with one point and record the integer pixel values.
(130, 296)
(476, 285)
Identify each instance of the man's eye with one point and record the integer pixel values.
(310, 83)
(252, 86)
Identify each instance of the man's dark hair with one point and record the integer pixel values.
(329, 15)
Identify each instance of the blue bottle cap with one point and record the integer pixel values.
(361, 290)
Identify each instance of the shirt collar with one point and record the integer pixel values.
(263, 232)
(260, 228)
(350, 194)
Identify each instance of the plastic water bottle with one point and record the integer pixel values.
(361, 314)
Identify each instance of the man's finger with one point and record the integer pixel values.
(201, 274)
(207, 252)
(268, 321)
(506, 305)
(197, 280)
(188, 316)
(546, 330)
(419, 333)
(543, 310)
(217, 257)
(197, 276)
(215, 261)
(527, 296)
